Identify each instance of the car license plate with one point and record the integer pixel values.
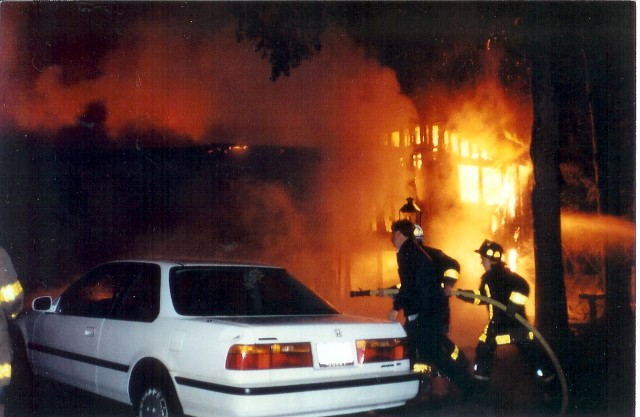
(335, 354)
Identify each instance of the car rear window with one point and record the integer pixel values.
(237, 291)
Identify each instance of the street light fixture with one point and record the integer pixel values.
(411, 212)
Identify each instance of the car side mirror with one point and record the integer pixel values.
(42, 303)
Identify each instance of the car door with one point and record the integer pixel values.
(65, 342)
(129, 328)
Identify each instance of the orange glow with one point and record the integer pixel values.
(492, 187)
(469, 180)
(395, 139)
(464, 148)
(407, 138)
(379, 271)
(454, 144)
(417, 161)
(512, 259)
(474, 151)
(435, 138)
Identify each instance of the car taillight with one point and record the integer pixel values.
(381, 350)
(274, 356)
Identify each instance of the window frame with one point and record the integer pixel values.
(77, 301)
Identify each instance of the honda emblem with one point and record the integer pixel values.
(338, 332)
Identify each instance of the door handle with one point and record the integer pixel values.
(90, 331)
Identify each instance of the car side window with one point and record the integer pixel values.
(92, 295)
(140, 301)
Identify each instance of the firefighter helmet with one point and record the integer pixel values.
(490, 250)
(418, 233)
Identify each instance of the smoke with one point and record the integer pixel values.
(213, 88)
(9, 79)
(204, 85)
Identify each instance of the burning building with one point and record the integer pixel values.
(466, 164)
(469, 170)
(460, 180)
(467, 191)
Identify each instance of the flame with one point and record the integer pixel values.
(512, 259)
(469, 180)
(480, 140)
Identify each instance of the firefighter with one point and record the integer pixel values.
(419, 296)
(11, 299)
(448, 271)
(503, 285)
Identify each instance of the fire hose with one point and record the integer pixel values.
(538, 336)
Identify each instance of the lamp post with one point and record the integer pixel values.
(411, 212)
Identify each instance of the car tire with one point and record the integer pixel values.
(153, 403)
(158, 398)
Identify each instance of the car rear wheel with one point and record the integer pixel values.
(152, 391)
(154, 403)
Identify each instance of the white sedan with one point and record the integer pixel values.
(215, 339)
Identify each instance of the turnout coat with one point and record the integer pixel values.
(11, 300)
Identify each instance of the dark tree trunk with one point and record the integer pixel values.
(611, 73)
(551, 303)
(612, 67)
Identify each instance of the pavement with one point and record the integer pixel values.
(513, 391)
